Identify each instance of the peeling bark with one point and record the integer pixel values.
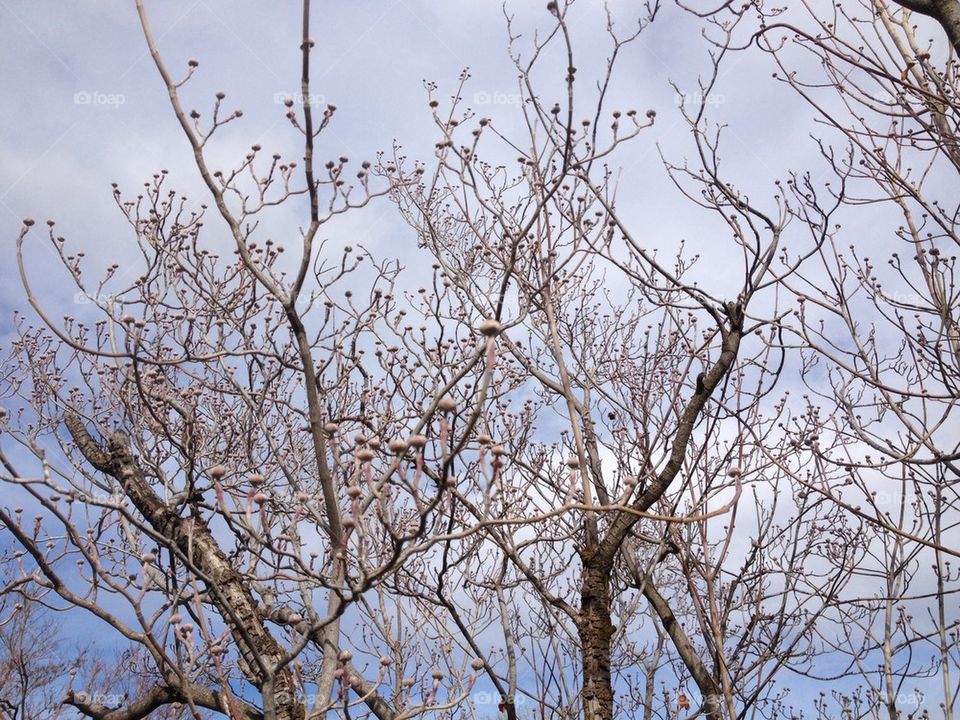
(596, 630)
(259, 650)
(594, 625)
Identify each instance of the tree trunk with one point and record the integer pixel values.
(945, 12)
(596, 631)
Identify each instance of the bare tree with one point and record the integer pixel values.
(33, 661)
(662, 408)
(231, 480)
(567, 472)
(881, 318)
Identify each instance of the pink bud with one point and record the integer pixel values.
(490, 327)
(447, 404)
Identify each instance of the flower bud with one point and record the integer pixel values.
(447, 404)
(490, 327)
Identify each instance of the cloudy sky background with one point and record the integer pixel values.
(88, 108)
(84, 106)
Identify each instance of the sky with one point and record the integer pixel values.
(85, 107)
(90, 108)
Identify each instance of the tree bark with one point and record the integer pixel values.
(945, 12)
(259, 649)
(706, 683)
(157, 697)
(595, 629)
(594, 625)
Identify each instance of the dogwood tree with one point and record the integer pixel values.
(568, 475)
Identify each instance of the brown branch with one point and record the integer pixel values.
(157, 697)
(264, 660)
